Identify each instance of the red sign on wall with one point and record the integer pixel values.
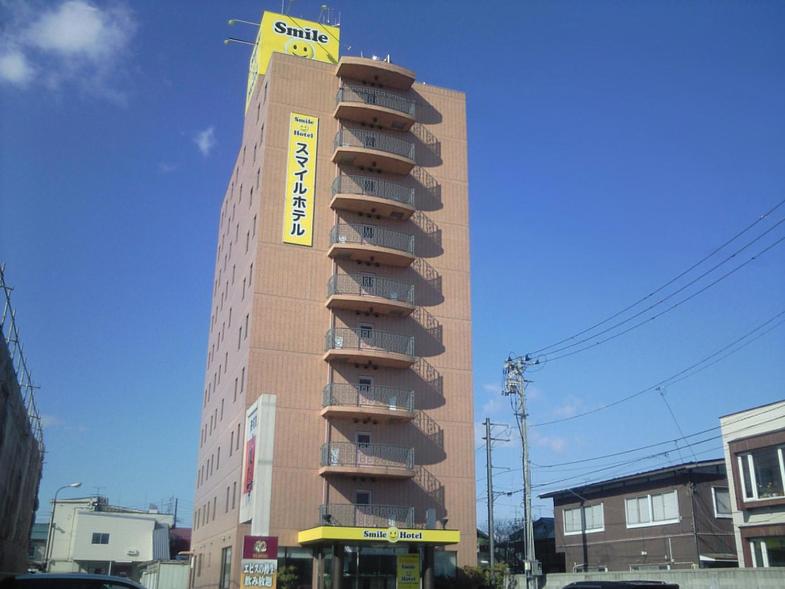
(250, 460)
(260, 547)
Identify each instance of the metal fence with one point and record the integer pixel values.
(367, 516)
(359, 395)
(362, 338)
(354, 137)
(367, 455)
(372, 235)
(370, 186)
(376, 96)
(368, 285)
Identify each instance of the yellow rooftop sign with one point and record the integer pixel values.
(286, 34)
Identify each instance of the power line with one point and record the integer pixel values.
(673, 378)
(662, 287)
(661, 313)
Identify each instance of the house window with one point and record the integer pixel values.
(768, 552)
(650, 567)
(721, 500)
(100, 538)
(651, 510)
(226, 567)
(586, 568)
(762, 472)
(593, 514)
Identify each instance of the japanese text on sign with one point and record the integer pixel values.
(300, 180)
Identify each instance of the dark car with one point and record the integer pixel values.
(621, 585)
(67, 581)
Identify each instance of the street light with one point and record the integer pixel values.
(49, 537)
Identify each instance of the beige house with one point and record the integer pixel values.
(337, 405)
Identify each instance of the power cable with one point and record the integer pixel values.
(668, 283)
(670, 379)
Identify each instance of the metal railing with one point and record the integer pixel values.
(361, 338)
(361, 395)
(366, 516)
(376, 96)
(354, 137)
(370, 186)
(368, 285)
(367, 455)
(372, 235)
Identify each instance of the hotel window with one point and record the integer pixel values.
(768, 552)
(226, 567)
(362, 497)
(100, 538)
(762, 472)
(593, 514)
(721, 499)
(652, 510)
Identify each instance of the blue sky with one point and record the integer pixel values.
(612, 144)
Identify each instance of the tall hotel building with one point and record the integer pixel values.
(337, 408)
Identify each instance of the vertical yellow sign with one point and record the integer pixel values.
(300, 180)
(408, 576)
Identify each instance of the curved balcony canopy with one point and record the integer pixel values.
(367, 460)
(375, 107)
(375, 150)
(376, 72)
(371, 244)
(369, 346)
(370, 294)
(373, 196)
(354, 401)
(366, 516)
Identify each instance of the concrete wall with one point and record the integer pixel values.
(694, 579)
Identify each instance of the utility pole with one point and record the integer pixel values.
(515, 386)
(489, 439)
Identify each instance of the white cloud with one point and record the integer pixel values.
(166, 167)
(495, 389)
(48, 421)
(571, 406)
(205, 140)
(74, 41)
(556, 444)
(15, 68)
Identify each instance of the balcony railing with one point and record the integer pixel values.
(355, 395)
(367, 455)
(372, 235)
(370, 286)
(377, 97)
(353, 137)
(370, 186)
(344, 338)
(367, 516)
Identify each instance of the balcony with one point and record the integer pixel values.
(367, 460)
(366, 516)
(375, 150)
(367, 293)
(375, 107)
(373, 196)
(365, 345)
(371, 244)
(367, 402)
(376, 72)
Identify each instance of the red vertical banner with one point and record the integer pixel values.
(250, 460)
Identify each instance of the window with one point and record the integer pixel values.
(226, 568)
(247, 240)
(253, 227)
(721, 500)
(651, 510)
(258, 173)
(650, 567)
(586, 568)
(226, 504)
(222, 410)
(763, 473)
(250, 275)
(246, 326)
(768, 552)
(231, 442)
(362, 497)
(368, 231)
(234, 493)
(235, 390)
(218, 459)
(100, 538)
(593, 514)
(237, 438)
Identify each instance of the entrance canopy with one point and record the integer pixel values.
(377, 535)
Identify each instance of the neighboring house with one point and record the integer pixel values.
(36, 556)
(511, 550)
(754, 443)
(91, 536)
(670, 518)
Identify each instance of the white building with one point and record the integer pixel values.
(90, 536)
(754, 446)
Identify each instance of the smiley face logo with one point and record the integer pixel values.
(300, 48)
(392, 535)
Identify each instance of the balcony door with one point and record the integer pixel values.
(368, 284)
(364, 453)
(366, 336)
(364, 386)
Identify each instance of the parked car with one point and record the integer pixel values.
(67, 581)
(621, 585)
